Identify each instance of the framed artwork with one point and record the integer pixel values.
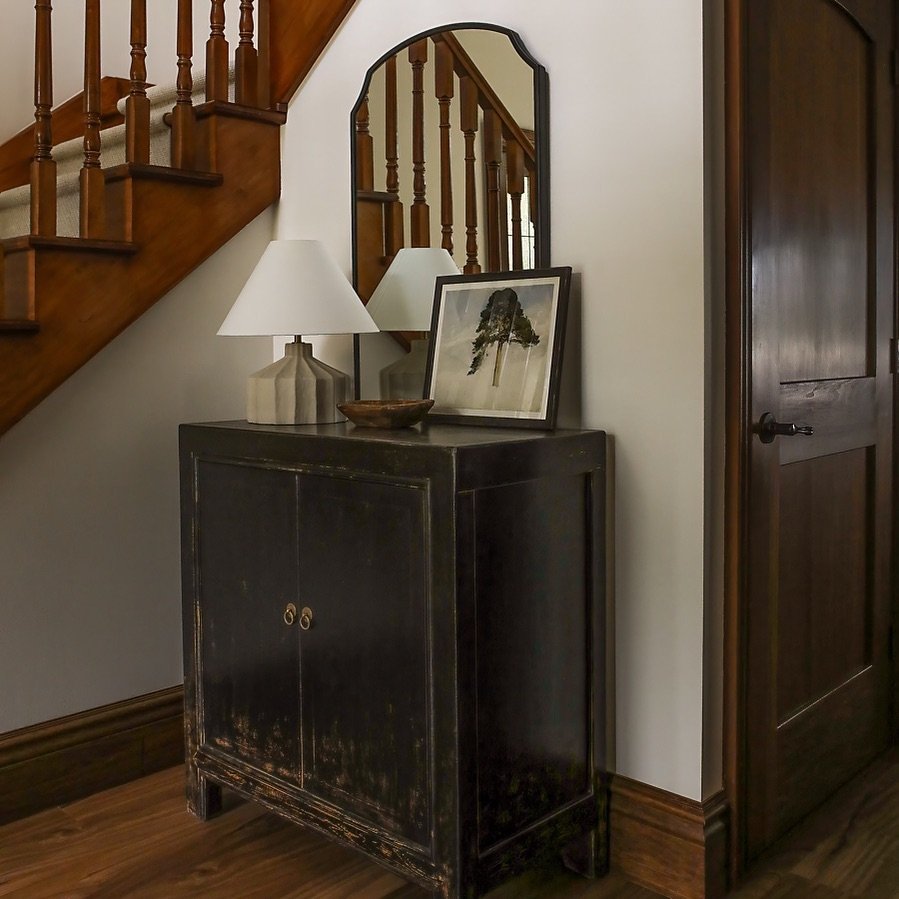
(495, 355)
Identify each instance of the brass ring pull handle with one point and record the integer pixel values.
(306, 618)
(769, 428)
(290, 614)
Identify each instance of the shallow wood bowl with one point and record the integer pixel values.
(385, 413)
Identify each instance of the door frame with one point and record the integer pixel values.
(738, 431)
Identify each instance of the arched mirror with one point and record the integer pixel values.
(450, 151)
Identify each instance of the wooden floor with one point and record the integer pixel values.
(138, 841)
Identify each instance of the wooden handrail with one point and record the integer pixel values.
(487, 96)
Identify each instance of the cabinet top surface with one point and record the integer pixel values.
(444, 436)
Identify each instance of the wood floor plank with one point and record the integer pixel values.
(138, 841)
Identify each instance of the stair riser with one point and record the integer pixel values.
(85, 297)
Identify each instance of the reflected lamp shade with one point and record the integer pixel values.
(403, 301)
(404, 298)
(296, 288)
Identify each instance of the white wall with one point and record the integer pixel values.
(90, 591)
(626, 147)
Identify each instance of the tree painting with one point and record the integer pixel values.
(502, 322)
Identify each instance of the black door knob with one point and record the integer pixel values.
(769, 428)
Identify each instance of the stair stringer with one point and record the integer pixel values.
(84, 296)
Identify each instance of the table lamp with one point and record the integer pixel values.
(403, 301)
(296, 288)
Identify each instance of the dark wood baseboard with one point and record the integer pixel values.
(69, 758)
(666, 843)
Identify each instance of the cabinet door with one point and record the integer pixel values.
(249, 657)
(365, 658)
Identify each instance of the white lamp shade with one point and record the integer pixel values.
(404, 298)
(297, 288)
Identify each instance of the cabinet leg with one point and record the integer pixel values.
(588, 855)
(204, 798)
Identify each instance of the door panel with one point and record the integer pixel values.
(823, 630)
(247, 558)
(817, 247)
(365, 660)
(819, 201)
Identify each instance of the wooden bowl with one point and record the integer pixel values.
(385, 413)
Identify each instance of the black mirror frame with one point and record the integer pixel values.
(542, 256)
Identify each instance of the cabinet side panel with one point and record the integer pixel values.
(365, 659)
(247, 575)
(532, 652)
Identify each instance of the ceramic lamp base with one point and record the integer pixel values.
(405, 378)
(296, 390)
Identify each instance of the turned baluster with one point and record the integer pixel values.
(246, 59)
(468, 102)
(444, 88)
(365, 149)
(493, 157)
(394, 239)
(43, 166)
(420, 213)
(217, 54)
(183, 113)
(263, 54)
(137, 106)
(92, 180)
(391, 128)
(515, 178)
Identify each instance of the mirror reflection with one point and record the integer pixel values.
(450, 163)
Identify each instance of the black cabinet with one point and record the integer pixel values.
(397, 637)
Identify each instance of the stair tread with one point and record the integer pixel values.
(238, 111)
(31, 241)
(18, 326)
(161, 173)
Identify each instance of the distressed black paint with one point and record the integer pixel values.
(445, 711)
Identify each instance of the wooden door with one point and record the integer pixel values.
(818, 168)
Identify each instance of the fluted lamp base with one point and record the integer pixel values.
(296, 390)
(405, 378)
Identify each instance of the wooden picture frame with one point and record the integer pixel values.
(495, 355)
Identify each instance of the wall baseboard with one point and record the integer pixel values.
(59, 761)
(669, 844)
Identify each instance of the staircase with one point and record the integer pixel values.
(141, 187)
